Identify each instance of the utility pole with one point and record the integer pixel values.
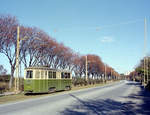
(146, 49)
(17, 61)
(145, 40)
(147, 71)
(86, 71)
(105, 71)
(111, 73)
(144, 71)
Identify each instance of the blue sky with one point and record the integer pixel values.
(112, 29)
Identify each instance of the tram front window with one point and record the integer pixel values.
(29, 74)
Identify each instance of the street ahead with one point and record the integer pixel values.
(124, 97)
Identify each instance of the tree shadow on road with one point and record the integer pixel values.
(143, 95)
(110, 106)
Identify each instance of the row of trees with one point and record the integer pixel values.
(39, 49)
(143, 69)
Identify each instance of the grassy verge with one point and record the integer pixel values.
(19, 97)
(88, 86)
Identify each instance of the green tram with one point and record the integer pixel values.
(44, 79)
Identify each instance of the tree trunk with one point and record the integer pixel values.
(11, 78)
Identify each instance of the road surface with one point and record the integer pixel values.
(121, 98)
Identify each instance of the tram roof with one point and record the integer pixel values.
(46, 68)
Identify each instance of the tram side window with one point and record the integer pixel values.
(62, 75)
(42, 74)
(45, 74)
(29, 74)
(65, 75)
(50, 74)
(37, 74)
(54, 74)
(68, 75)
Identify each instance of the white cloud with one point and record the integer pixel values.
(107, 39)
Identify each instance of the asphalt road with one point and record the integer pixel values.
(122, 98)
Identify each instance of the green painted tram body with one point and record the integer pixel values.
(44, 81)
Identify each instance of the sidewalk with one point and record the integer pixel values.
(7, 93)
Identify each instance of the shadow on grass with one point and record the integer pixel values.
(111, 107)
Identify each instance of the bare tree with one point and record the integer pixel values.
(8, 35)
